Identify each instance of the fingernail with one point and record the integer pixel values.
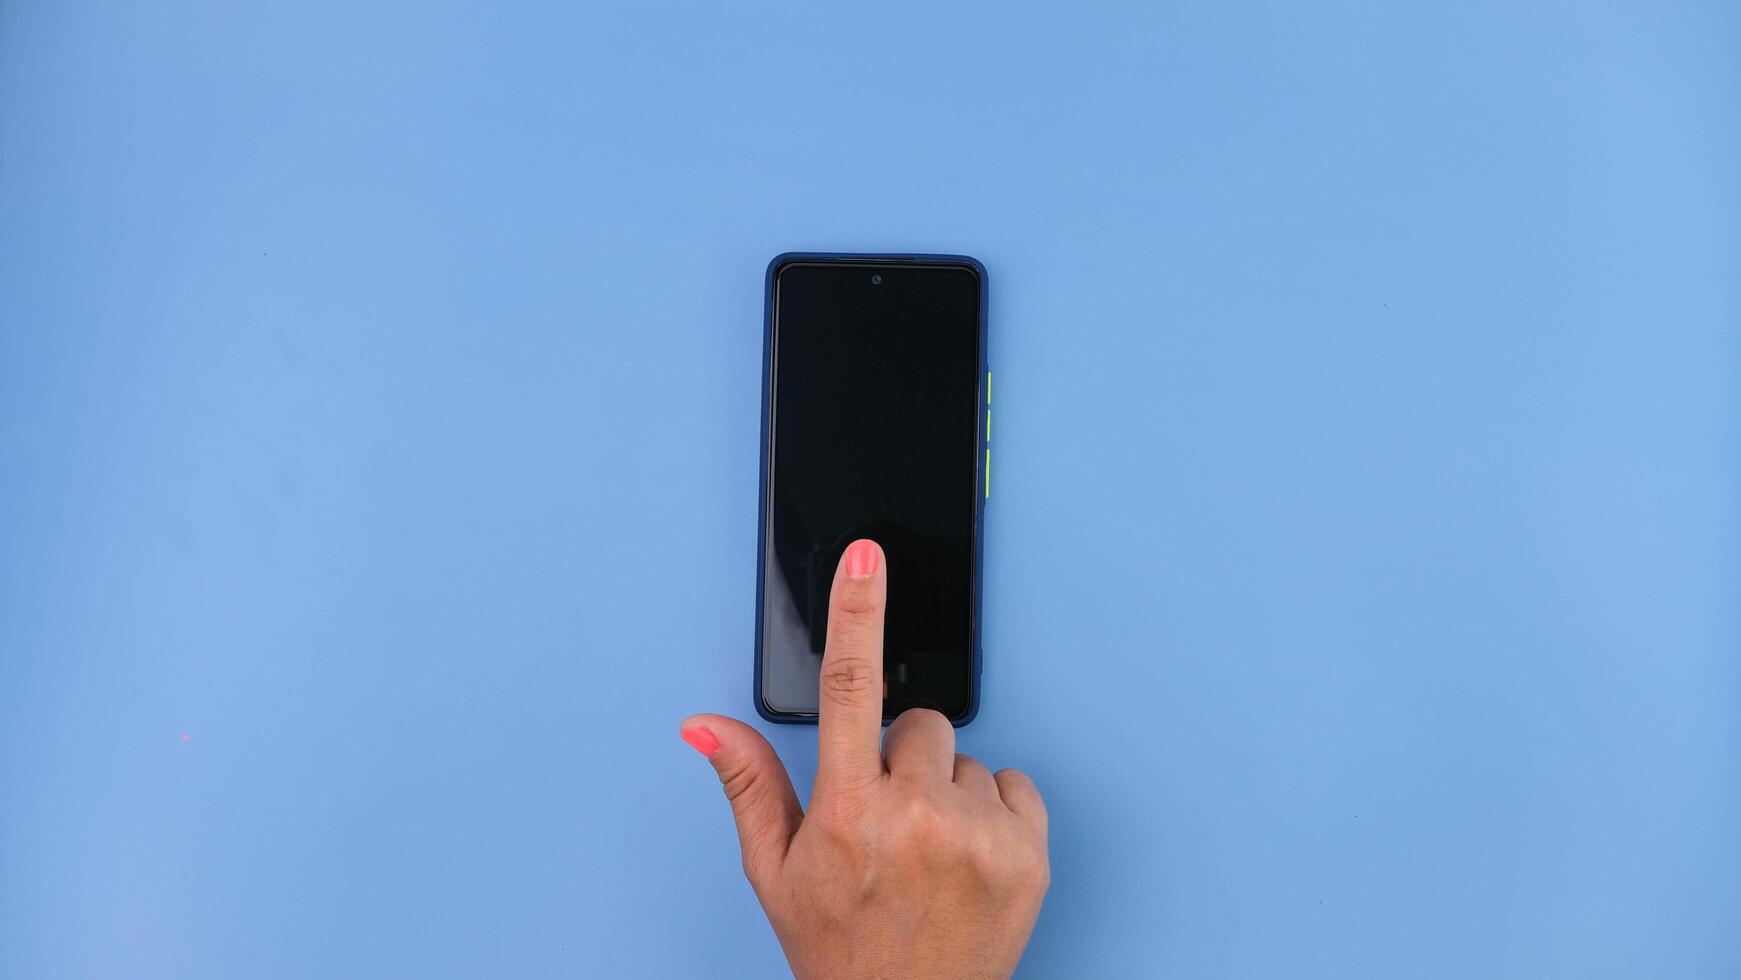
(861, 559)
(701, 740)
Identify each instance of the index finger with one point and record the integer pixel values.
(850, 704)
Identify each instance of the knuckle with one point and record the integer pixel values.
(853, 630)
(919, 820)
(1018, 867)
(737, 780)
(857, 602)
(989, 861)
(1020, 782)
(925, 718)
(1029, 879)
(1034, 869)
(848, 679)
(840, 824)
(922, 724)
(1037, 875)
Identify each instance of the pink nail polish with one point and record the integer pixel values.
(701, 740)
(861, 559)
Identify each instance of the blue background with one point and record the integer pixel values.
(379, 406)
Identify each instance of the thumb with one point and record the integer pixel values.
(762, 802)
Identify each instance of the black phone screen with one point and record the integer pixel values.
(873, 431)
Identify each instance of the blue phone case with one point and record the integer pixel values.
(981, 464)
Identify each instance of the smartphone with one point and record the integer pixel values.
(876, 417)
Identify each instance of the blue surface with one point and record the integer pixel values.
(378, 410)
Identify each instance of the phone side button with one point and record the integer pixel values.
(988, 472)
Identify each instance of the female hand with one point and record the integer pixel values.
(912, 861)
